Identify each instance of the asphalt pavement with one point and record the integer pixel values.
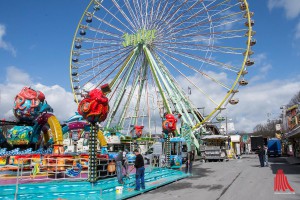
(238, 179)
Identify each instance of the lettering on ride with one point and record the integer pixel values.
(141, 37)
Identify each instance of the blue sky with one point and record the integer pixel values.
(36, 37)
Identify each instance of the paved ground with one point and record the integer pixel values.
(232, 180)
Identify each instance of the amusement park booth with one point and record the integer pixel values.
(214, 148)
(235, 145)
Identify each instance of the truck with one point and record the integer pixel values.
(274, 147)
(255, 142)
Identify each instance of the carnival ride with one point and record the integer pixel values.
(163, 57)
(36, 127)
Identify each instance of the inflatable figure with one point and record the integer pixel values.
(138, 131)
(28, 104)
(169, 125)
(94, 108)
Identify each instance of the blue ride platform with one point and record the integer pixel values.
(102, 189)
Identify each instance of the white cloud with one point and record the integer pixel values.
(256, 101)
(291, 7)
(17, 76)
(6, 45)
(56, 96)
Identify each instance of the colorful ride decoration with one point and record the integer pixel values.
(35, 169)
(31, 109)
(138, 130)
(94, 108)
(56, 130)
(19, 135)
(72, 172)
(28, 104)
(79, 127)
(169, 125)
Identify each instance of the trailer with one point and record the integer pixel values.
(214, 148)
(274, 147)
(256, 141)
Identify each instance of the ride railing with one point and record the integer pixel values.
(32, 169)
(60, 168)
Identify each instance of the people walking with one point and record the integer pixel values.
(266, 156)
(125, 161)
(140, 171)
(119, 166)
(189, 162)
(261, 154)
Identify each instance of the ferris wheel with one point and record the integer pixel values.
(162, 56)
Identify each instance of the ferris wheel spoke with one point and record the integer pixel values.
(201, 59)
(118, 53)
(218, 34)
(197, 71)
(189, 44)
(98, 49)
(163, 15)
(159, 12)
(147, 20)
(140, 10)
(191, 82)
(204, 48)
(201, 23)
(169, 17)
(132, 14)
(182, 14)
(94, 76)
(109, 24)
(104, 32)
(110, 73)
(102, 40)
(201, 11)
(115, 17)
(116, 50)
(151, 15)
(123, 14)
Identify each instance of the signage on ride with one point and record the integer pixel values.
(113, 139)
(141, 37)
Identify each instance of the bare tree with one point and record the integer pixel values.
(266, 130)
(295, 100)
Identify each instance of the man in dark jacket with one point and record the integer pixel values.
(140, 171)
(261, 154)
(189, 162)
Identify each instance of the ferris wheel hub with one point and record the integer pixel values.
(141, 37)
